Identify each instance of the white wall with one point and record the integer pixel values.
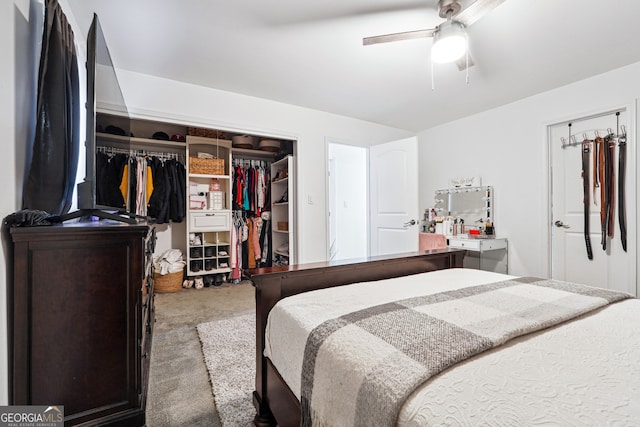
(17, 96)
(351, 210)
(181, 102)
(507, 147)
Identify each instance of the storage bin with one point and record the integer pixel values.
(165, 283)
(206, 166)
(207, 133)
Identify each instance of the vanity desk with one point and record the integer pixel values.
(483, 254)
(473, 207)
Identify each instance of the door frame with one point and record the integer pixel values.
(328, 195)
(632, 153)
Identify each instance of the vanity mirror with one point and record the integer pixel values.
(472, 204)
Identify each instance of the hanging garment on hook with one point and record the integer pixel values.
(585, 186)
(596, 169)
(601, 178)
(607, 186)
(611, 183)
(622, 156)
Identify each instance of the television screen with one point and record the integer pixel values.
(107, 133)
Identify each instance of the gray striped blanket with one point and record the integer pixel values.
(358, 369)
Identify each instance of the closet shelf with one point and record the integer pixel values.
(213, 211)
(208, 227)
(214, 271)
(281, 231)
(282, 180)
(255, 153)
(281, 253)
(148, 142)
(281, 204)
(204, 140)
(201, 175)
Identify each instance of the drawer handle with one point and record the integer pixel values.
(210, 214)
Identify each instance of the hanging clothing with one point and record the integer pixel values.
(265, 241)
(141, 181)
(251, 254)
(250, 199)
(109, 176)
(149, 182)
(133, 185)
(153, 187)
(250, 186)
(124, 183)
(159, 200)
(177, 179)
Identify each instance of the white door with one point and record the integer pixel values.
(333, 244)
(393, 186)
(612, 268)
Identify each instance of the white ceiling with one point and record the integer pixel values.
(310, 53)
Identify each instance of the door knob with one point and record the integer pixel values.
(560, 224)
(410, 223)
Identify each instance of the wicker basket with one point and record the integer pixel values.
(164, 283)
(207, 133)
(206, 166)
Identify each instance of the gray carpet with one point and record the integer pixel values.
(179, 392)
(228, 346)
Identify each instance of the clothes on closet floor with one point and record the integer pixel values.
(251, 189)
(154, 187)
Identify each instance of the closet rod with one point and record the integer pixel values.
(160, 154)
(239, 161)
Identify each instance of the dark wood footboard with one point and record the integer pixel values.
(275, 403)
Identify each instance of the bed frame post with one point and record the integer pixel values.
(268, 293)
(275, 404)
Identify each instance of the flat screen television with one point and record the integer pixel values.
(105, 103)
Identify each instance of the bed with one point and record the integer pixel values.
(583, 371)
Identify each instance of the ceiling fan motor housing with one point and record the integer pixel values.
(448, 8)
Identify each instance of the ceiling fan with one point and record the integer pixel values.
(449, 38)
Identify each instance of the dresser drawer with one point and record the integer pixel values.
(473, 245)
(479, 245)
(210, 221)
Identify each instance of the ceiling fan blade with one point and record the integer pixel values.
(476, 10)
(398, 36)
(462, 62)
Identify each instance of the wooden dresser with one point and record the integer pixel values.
(81, 315)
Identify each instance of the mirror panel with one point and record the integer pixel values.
(472, 204)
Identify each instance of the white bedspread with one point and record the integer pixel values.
(585, 372)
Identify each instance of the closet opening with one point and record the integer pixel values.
(232, 202)
(347, 171)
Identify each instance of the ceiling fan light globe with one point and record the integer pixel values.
(449, 43)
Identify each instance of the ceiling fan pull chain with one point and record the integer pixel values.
(433, 80)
